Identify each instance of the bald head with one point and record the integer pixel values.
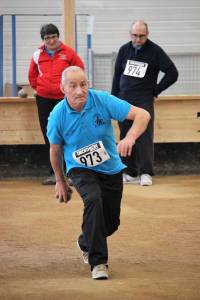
(139, 33)
(140, 25)
(74, 85)
(72, 69)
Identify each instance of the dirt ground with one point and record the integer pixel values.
(154, 255)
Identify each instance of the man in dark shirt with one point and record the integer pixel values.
(135, 77)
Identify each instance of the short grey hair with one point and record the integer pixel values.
(68, 70)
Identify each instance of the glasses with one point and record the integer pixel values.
(138, 36)
(50, 37)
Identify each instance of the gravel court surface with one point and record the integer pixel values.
(155, 254)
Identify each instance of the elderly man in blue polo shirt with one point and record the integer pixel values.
(81, 127)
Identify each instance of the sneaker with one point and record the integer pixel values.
(84, 254)
(145, 180)
(69, 181)
(100, 272)
(49, 180)
(129, 179)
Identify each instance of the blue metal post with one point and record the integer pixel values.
(89, 41)
(14, 72)
(1, 56)
(90, 21)
(89, 59)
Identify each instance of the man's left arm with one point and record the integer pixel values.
(170, 76)
(141, 119)
(165, 65)
(76, 60)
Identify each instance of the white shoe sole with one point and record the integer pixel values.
(101, 276)
(145, 183)
(131, 182)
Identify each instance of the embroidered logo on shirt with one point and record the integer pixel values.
(98, 120)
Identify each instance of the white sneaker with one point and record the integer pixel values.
(145, 180)
(129, 179)
(51, 180)
(69, 181)
(84, 254)
(100, 272)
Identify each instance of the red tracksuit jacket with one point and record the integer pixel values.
(45, 71)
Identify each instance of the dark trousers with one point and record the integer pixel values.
(101, 195)
(142, 157)
(45, 106)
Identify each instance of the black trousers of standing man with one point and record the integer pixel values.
(142, 157)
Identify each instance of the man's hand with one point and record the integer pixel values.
(155, 98)
(140, 118)
(63, 191)
(124, 147)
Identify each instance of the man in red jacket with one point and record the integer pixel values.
(45, 71)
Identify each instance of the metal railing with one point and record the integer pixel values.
(188, 65)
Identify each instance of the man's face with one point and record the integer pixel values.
(75, 89)
(138, 34)
(51, 41)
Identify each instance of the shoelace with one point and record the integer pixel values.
(101, 268)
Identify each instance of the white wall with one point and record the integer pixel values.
(27, 31)
(175, 25)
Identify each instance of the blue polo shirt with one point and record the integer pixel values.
(75, 130)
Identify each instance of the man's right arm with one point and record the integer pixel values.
(33, 74)
(56, 158)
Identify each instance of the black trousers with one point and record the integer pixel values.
(45, 106)
(142, 157)
(101, 195)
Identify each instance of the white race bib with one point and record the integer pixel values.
(135, 68)
(91, 155)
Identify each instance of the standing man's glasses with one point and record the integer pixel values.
(138, 36)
